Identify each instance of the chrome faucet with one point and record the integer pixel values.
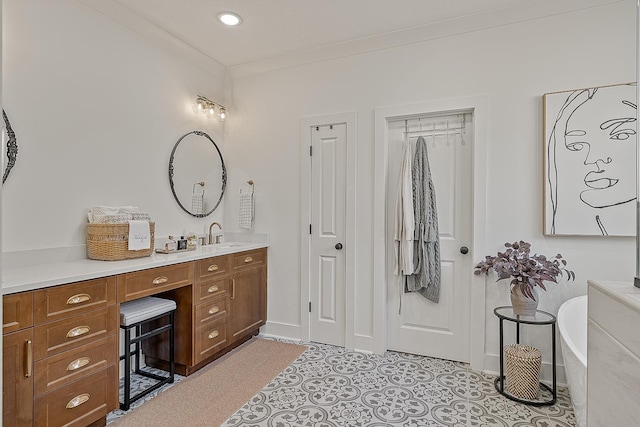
(211, 235)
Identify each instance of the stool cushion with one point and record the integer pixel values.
(138, 310)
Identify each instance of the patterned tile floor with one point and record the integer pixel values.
(331, 386)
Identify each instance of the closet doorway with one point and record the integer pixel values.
(327, 206)
(327, 229)
(415, 324)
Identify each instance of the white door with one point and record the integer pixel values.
(424, 327)
(327, 251)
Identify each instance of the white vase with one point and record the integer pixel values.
(521, 303)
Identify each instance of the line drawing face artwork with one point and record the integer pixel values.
(590, 143)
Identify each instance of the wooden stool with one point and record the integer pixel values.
(134, 314)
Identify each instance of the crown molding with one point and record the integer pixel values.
(466, 24)
(150, 31)
(522, 12)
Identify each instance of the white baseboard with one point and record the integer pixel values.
(282, 330)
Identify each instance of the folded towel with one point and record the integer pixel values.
(139, 235)
(246, 214)
(128, 209)
(111, 219)
(141, 216)
(115, 214)
(104, 210)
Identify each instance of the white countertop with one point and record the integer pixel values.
(624, 292)
(30, 277)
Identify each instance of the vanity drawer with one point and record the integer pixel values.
(149, 282)
(212, 289)
(210, 268)
(62, 335)
(249, 259)
(211, 310)
(17, 311)
(80, 403)
(63, 301)
(210, 338)
(64, 368)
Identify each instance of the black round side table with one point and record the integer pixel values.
(539, 318)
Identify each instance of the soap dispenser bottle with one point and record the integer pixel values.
(171, 244)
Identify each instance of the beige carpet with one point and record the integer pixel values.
(217, 391)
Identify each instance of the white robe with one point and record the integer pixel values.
(404, 221)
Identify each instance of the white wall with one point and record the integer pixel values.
(96, 109)
(514, 65)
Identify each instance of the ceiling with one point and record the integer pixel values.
(277, 28)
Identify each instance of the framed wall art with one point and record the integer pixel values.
(590, 161)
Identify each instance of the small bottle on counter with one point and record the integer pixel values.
(182, 243)
(192, 240)
(171, 245)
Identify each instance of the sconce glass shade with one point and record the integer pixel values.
(209, 108)
(201, 104)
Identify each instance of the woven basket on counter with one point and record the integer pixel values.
(522, 370)
(110, 242)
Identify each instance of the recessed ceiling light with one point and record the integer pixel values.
(229, 18)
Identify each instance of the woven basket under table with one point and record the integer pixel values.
(110, 242)
(522, 370)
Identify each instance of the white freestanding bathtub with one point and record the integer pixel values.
(572, 323)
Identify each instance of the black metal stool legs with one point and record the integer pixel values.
(128, 342)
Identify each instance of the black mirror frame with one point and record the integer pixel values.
(12, 147)
(224, 173)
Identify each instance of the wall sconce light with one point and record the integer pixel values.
(209, 108)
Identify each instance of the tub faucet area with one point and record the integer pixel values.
(217, 235)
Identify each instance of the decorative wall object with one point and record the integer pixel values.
(590, 161)
(11, 147)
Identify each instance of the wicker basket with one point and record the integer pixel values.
(522, 370)
(110, 242)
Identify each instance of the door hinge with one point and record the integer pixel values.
(311, 150)
(309, 306)
(309, 228)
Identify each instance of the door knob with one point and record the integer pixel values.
(464, 250)
(338, 246)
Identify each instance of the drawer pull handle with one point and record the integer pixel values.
(248, 259)
(77, 331)
(213, 289)
(214, 309)
(78, 400)
(213, 334)
(233, 288)
(28, 358)
(78, 363)
(77, 299)
(213, 267)
(160, 280)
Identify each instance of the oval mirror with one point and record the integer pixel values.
(9, 147)
(197, 174)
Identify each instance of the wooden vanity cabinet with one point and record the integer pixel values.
(211, 313)
(63, 364)
(248, 293)
(17, 379)
(61, 344)
(17, 358)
